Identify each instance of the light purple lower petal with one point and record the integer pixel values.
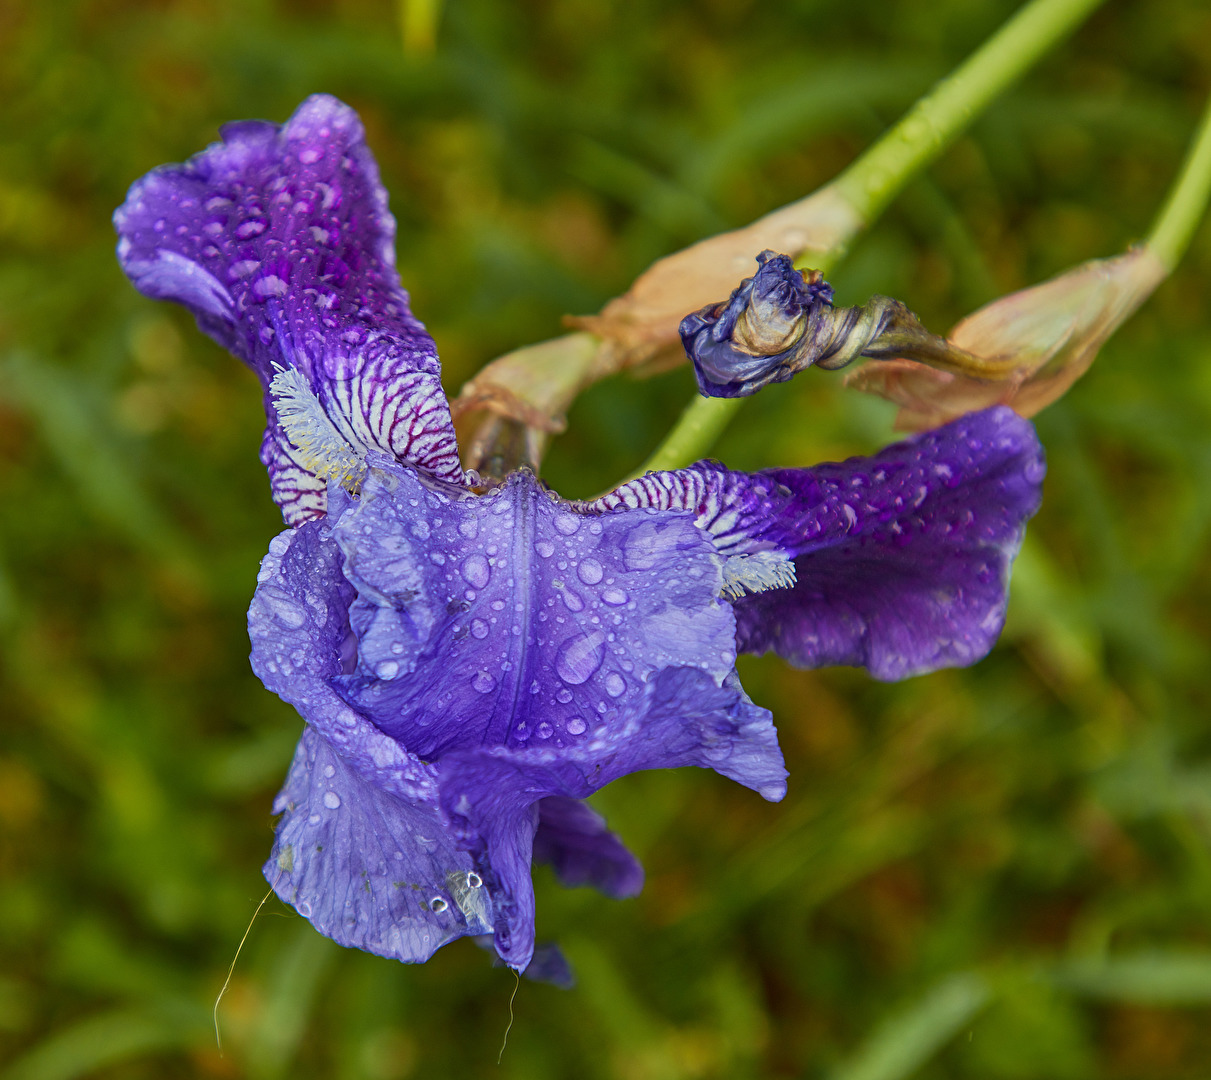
(575, 840)
(492, 795)
(368, 869)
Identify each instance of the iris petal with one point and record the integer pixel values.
(427, 636)
(574, 839)
(901, 560)
(280, 242)
(370, 870)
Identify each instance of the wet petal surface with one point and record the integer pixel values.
(370, 870)
(489, 657)
(280, 242)
(901, 560)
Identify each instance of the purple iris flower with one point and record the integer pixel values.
(471, 667)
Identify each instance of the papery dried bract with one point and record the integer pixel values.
(639, 328)
(1042, 339)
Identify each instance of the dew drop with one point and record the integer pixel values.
(388, 669)
(332, 800)
(564, 696)
(589, 571)
(438, 904)
(420, 529)
(252, 227)
(545, 548)
(330, 771)
(474, 881)
(285, 611)
(545, 731)
(479, 629)
(615, 685)
(568, 524)
(475, 571)
(579, 657)
(613, 597)
(571, 601)
(303, 908)
(576, 726)
(469, 528)
(483, 682)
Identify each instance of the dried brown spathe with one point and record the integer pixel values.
(1041, 339)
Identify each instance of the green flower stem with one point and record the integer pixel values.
(1187, 201)
(872, 181)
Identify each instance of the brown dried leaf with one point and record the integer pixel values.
(1046, 337)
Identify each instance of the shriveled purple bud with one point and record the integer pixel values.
(782, 321)
(762, 333)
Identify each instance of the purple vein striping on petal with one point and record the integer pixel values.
(901, 560)
(279, 240)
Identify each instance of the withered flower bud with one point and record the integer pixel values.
(782, 320)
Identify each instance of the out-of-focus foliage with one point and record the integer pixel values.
(1002, 873)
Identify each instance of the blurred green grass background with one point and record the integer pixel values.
(1002, 872)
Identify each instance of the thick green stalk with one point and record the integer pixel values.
(1187, 201)
(872, 181)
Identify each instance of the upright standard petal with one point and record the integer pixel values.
(279, 240)
(900, 561)
(498, 659)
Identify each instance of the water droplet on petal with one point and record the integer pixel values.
(545, 548)
(564, 696)
(479, 629)
(475, 570)
(545, 731)
(285, 611)
(613, 597)
(576, 726)
(580, 656)
(252, 227)
(571, 601)
(388, 669)
(615, 685)
(483, 682)
(332, 800)
(469, 528)
(568, 524)
(589, 571)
